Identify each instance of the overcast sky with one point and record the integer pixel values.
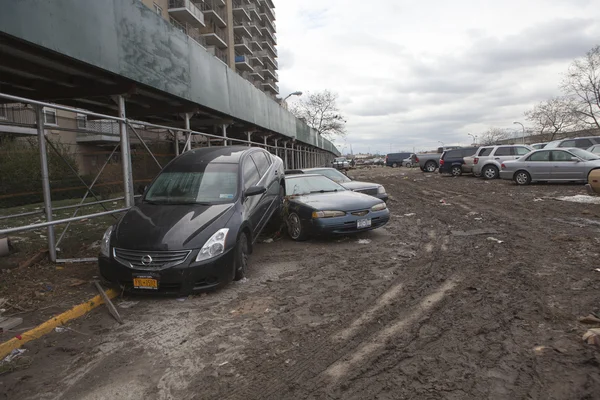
(412, 73)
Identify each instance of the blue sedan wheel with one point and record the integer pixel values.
(295, 227)
(522, 178)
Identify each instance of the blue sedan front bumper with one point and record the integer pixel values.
(348, 223)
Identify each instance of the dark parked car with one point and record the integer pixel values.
(451, 161)
(395, 159)
(372, 189)
(195, 225)
(580, 142)
(316, 205)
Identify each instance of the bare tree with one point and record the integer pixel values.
(320, 111)
(582, 84)
(553, 116)
(492, 136)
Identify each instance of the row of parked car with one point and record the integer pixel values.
(196, 224)
(558, 161)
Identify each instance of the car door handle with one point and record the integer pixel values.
(497, 158)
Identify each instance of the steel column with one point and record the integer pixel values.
(249, 135)
(293, 157)
(188, 144)
(224, 129)
(276, 148)
(125, 155)
(39, 114)
(285, 155)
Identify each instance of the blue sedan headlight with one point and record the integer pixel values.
(379, 207)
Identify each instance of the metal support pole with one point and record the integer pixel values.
(39, 114)
(293, 157)
(285, 155)
(249, 135)
(224, 129)
(265, 142)
(276, 148)
(188, 143)
(125, 155)
(176, 133)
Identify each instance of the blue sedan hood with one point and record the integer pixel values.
(169, 227)
(339, 201)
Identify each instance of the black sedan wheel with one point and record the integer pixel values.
(295, 227)
(241, 257)
(522, 178)
(456, 170)
(394, 165)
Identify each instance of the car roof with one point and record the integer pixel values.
(220, 154)
(303, 176)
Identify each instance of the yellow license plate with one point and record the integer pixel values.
(145, 283)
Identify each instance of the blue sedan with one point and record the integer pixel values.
(315, 205)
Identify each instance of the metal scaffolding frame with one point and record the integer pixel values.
(295, 156)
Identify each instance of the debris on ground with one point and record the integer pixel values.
(60, 329)
(580, 198)
(14, 361)
(364, 241)
(269, 240)
(182, 299)
(443, 202)
(111, 307)
(128, 304)
(410, 215)
(76, 282)
(493, 239)
(592, 336)
(537, 199)
(475, 232)
(8, 323)
(589, 319)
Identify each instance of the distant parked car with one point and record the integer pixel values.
(428, 162)
(410, 161)
(580, 143)
(451, 161)
(394, 160)
(378, 161)
(195, 226)
(594, 149)
(537, 146)
(372, 189)
(488, 159)
(560, 165)
(341, 163)
(316, 205)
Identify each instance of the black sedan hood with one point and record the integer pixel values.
(356, 185)
(169, 227)
(338, 201)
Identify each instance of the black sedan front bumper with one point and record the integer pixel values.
(186, 278)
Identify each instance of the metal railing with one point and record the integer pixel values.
(18, 115)
(242, 40)
(192, 32)
(220, 54)
(188, 5)
(272, 71)
(212, 6)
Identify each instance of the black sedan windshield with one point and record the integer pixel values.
(310, 184)
(332, 174)
(210, 184)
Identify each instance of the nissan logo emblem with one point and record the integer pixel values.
(146, 260)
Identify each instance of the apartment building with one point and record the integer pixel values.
(241, 33)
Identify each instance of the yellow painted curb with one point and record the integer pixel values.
(48, 326)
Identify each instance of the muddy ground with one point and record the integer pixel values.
(426, 308)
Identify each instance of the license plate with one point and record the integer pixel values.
(363, 223)
(145, 283)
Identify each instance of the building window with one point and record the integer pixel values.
(81, 121)
(157, 9)
(3, 111)
(50, 116)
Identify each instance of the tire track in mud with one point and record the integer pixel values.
(324, 353)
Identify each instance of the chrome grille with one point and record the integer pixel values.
(370, 192)
(150, 260)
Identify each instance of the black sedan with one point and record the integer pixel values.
(195, 225)
(373, 189)
(315, 205)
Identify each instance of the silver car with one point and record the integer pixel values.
(594, 149)
(487, 159)
(555, 165)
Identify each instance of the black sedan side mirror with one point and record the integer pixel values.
(254, 191)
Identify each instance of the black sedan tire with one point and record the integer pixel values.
(241, 257)
(522, 178)
(295, 229)
(394, 165)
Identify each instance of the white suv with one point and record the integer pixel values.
(487, 160)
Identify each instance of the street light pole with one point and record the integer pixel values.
(522, 126)
(474, 138)
(298, 93)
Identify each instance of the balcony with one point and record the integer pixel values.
(268, 34)
(268, 22)
(214, 12)
(257, 62)
(270, 48)
(254, 11)
(242, 63)
(215, 37)
(270, 12)
(269, 85)
(255, 28)
(270, 72)
(17, 120)
(219, 53)
(269, 3)
(256, 43)
(242, 45)
(99, 132)
(239, 11)
(186, 12)
(257, 75)
(267, 58)
(241, 28)
(193, 33)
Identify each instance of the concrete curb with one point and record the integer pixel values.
(48, 326)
